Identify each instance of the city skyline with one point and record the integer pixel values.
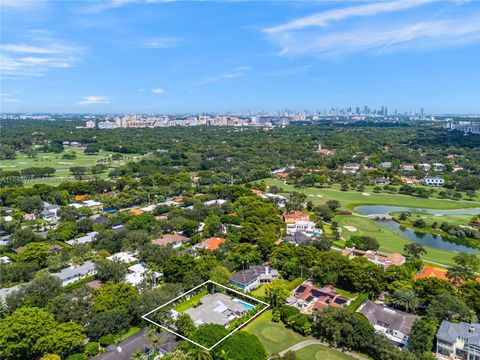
(128, 56)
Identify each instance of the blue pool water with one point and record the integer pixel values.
(244, 304)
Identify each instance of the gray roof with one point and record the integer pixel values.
(4, 292)
(451, 331)
(215, 309)
(84, 239)
(82, 270)
(248, 276)
(381, 315)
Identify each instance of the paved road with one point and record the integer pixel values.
(302, 344)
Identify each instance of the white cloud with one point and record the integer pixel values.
(323, 19)
(161, 42)
(235, 73)
(315, 35)
(95, 99)
(8, 98)
(37, 56)
(113, 4)
(158, 91)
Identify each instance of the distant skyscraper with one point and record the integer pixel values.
(422, 112)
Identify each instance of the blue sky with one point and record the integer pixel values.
(152, 56)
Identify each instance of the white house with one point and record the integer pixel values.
(215, 202)
(306, 227)
(424, 166)
(394, 324)
(458, 341)
(438, 167)
(125, 257)
(75, 273)
(433, 181)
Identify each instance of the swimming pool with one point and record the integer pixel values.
(245, 304)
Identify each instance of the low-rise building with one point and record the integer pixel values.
(384, 260)
(90, 237)
(438, 167)
(424, 166)
(215, 202)
(408, 167)
(308, 297)
(306, 227)
(394, 324)
(74, 273)
(176, 240)
(124, 256)
(252, 277)
(211, 244)
(458, 341)
(433, 181)
(298, 215)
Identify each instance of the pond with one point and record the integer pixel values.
(426, 239)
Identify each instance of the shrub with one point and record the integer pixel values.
(107, 340)
(77, 357)
(91, 349)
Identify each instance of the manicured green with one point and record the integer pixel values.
(274, 336)
(290, 285)
(389, 240)
(321, 352)
(189, 303)
(55, 161)
(132, 331)
(350, 199)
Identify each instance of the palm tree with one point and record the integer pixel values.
(202, 355)
(406, 299)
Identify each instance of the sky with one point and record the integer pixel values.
(158, 56)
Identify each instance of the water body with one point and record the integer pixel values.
(431, 240)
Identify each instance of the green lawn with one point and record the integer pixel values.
(431, 218)
(389, 240)
(55, 160)
(350, 199)
(274, 336)
(189, 303)
(320, 352)
(290, 285)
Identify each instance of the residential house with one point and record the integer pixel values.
(252, 277)
(433, 181)
(125, 257)
(135, 211)
(424, 166)
(75, 273)
(298, 238)
(384, 260)
(438, 167)
(4, 292)
(118, 228)
(211, 244)
(49, 212)
(90, 237)
(393, 324)
(149, 208)
(325, 151)
(306, 227)
(431, 271)
(386, 165)
(458, 341)
(4, 260)
(215, 202)
(308, 297)
(350, 168)
(217, 308)
(92, 204)
(176, 240)
(99, 219)
(408, 167)
(409, 181)
(380, 181)
(457, 168)
(290, 218)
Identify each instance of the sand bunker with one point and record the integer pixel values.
(350, 228)
(366, 194)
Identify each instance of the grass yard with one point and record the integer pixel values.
(389, 240)
(431, 218)
(55, 160)
(274, 336)
(321, 352)
(350, 199)
(189, 303)
(290, 285)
